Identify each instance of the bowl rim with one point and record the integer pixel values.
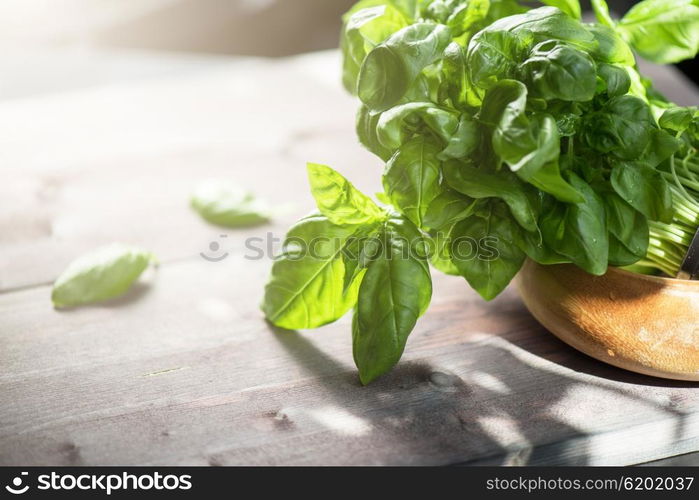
(669, 282)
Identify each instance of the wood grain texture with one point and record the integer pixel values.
(184, 370)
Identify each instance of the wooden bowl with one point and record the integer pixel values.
(645, 324)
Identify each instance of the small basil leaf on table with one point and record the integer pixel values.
(305, 289)
(395, 291)
(339, 200)
(225, 204)
(411, 178)
(391, 68)
(105, 273)
(483, 249)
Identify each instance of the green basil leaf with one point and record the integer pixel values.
(545, 23)
(447, 208)
(602, 13)
(411, 178)
(395, 291)
(610, 47)
(617, 81)
(644, 189)
(339, 200)
(466, 16)
(390, 69)
(570, 7)
(483, 249)
(103, 274)
(224, 204)
(367, 124)
(493, 56)
(305, 287)
(623, 127)
(663, 31)
(629, 228)
(478, 184)
(557, 71)
(363, 30)
(456, 76)
(398, 124)
(578, 231)
(677, 119)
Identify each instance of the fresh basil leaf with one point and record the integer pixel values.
(663, 31)
(411, 178)
(440, 255)
(629, 228)
(478, 184)
(557, 71)
(660, 147)
(644, 189)
(363, 30)
(570, 7)
(602, 13)
(483, 249)
(395, 291)
(390, 69)
(493, 56)
(677, 119)
(398, 124)
(542, 24)
(225, 204)
(462, 93)
(105, 273)
(610, 48)
(616, 80)
(366, 127)
(463, 141)
(466, 16)
(339, 200)
(305, 287)
(579, 230)
(623, 127)
(447, 208)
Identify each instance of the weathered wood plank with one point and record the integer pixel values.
(184, 370)
(190, 367)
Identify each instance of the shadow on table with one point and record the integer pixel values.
(478, 416)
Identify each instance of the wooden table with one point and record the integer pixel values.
(184, 370)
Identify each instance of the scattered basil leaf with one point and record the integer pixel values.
(105, 273)
(223, 203)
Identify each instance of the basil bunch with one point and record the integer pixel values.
(507, 133)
